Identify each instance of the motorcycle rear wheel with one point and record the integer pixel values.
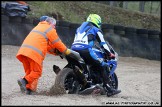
(67, 80)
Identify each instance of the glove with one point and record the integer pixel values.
(67, 52)
(57, 51)
(111, 55)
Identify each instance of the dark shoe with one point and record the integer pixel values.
(28, 91)
(22, 83)
(113, 92)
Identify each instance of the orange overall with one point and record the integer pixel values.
(22, 2)
(32, 52)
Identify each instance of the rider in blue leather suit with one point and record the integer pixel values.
(85, 37)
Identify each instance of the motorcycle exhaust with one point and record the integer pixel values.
(87, 90)
(95, 89)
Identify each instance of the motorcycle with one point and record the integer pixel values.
(73, 77)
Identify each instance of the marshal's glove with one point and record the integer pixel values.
(67, 52)
(56, 51)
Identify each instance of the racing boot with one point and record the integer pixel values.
(111, 91)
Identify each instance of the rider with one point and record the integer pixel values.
(85, 36)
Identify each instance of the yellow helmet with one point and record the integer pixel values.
(94, 18)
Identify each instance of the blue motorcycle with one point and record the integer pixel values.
(77, 73)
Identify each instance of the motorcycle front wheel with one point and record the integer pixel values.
(113, 81)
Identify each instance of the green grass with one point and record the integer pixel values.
(77, 12)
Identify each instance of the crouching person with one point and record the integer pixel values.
(42, 39)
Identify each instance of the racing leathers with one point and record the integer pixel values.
(85, 37)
